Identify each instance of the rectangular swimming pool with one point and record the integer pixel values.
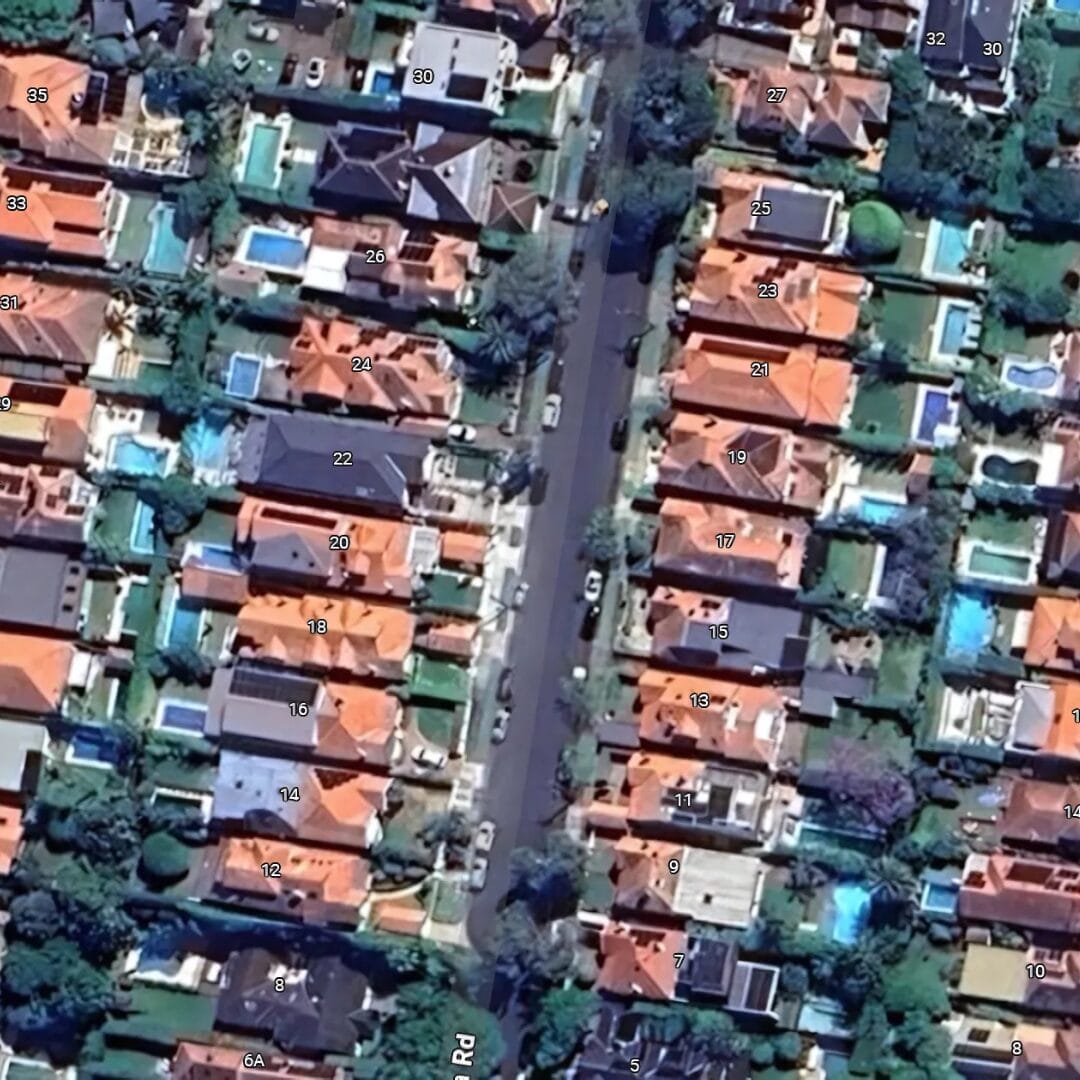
(182, 716)
(999, 564)
(244, 374)
(142, 529)
(167, 254)
(951, 250)
(969, 624)
(260, 168)
(131, 456)
(953, 330)
(185, 625)
(268, 247)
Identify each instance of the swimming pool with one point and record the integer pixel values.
(185, 625)
(142, 529)
(951, 249)
(1006, 471)
(268, 247)
(94, 746)
(243, 377)
(206, 441)
(879, 511)
(218, 558)
(382, 82)
(167, 254)
(999, 564)
(954, 328)
(131, 456)
(261, 166)
(849, 908)
(183, 716)
(969, 624)
(936, 409)
(939, 898)
(1030, 376)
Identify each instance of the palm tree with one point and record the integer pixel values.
(893, 881)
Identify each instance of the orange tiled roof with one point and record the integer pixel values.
(636, 961)
(410, 373)
(337, 807)
(11, 833)
(65, 215)
(360, 638)
(197, 1061)
(46, 420)
(357, 723)
(1049, 1053)
(463, 548)
(1054, 638)
(454, 637)
(51, 128)
(811, 301)
(1030, 893)
(649, 776)
(779, 467)
(223, 587)
(742, 723)
(767, 550)
(1034, 816)
(403, 916)
(738, 191)
(58, 323)
(643, 878)
(801, 388)
(33, 672)
(1063, 737)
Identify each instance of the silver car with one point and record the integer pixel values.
(478, 873)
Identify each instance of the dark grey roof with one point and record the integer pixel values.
(797, 216)
(291, 555)
(451, 176)
(40, 588)
(968, 25)
(365, 164)
(253, 702)
(109, 18)
(296, 453)
(146, 14)
(824, 689)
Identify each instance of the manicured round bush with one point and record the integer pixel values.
(164, 859)
(874, 231)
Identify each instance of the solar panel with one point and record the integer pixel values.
(274, 686)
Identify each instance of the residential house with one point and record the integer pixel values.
(991, 973)
(733, 461)
(1053, 636)
(384, 262)
(289, 800)
(64, 217)
(770, 213)
(673, 881)
(20, 769)
(363, 166)
(969, 48)
(347, 635)
(1028, 893)
(319, 1012)
(334, 460)
(775, 297)
(287, 543)
(315, 885)
(11, 836)
(45, 505)
(775, 19)
(34, 672)
(370, 368)
(519, 19)
(1061, 549)
(890, 21)
(41, 589)
(1049, 1053)
(339, 723)
(714, 544)
(706, 717)
(70, 124)
(198, 1061)
(46, 422)
(454, 70)
(49, 323)
(639, 961)
(1043, 721)
(1034, 815)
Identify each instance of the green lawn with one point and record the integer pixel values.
(998, 527)
(451, 902)
(161, 1017)
(441, 680)
(848, 567)
(1042, 265)
(1066, 59)
(452, 593)
(437, 725)
(900, 667)
(477, 408)
(882, 407)
(906, 318)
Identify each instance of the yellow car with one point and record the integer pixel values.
(601, 207)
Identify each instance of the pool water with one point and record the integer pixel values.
(999, 564)
(167, 254)
(1004, 471)
(382, 82)
(260, 169)
(94, 744)
(274, 249)
(835, 1063)
(206, 441)
(940, 898)
(142, 528)
(937, 409)
(850, 905)
(969, 625)
(953, 330)
(952, 249)
(180, 716)
(244, 374)
(1031, 377)
(184, 626)
(1067, 5)
(879, 511)
(133, 457)
(219, 558)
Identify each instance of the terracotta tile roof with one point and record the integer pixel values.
(649, 776)
(11, 834)
(221, 587)
(452, 637)
(46, 421)
(51, 128)
(1049, 1053)
(53, 322)
(358, 723)
(462, 548)
(316, 884)
(1033, 815)
(197, 1061)
(811, 301)
(361, 638)
(766, 550)
(1054, 637)
(33, 672)
(643, 878)
(801, 388)
(637, 961)
(1029, 893)
(1063, 736)
(64, 215)
(295, 541)
(410, 373)
(758, 114)
(779, 466)
(741, 723)
(402, 916)
(1062, 552)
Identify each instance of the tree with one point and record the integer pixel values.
(918, 983)
(654, 197)
(181, 396)
(1052, 198)
(1040, 133)
(549, 881)
(892, 880)
(605, 24)
(164, 859)
(197, 202)
(864, 787)
(910, 86)
(601, 541)
(673, 111)
(875, 231)
(399, 862)
(673, 22)
(1034, 59)
(1018, 298)
(186, 665)
(562, 1021)
(530, 956)
(788, 1047)
(30, 23)
(178, 502)
(35, 917)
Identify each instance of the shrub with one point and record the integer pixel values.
(875, 231)
(164, 859)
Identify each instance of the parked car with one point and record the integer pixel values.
(552, 411)
(555, 375)
(478, 874)
(632, 350)
(538, 487)
(504, 691)
(601, 207)
(570, 214)
(520, 593)
(315, 73)
(501, 726)
(594, 586)
(288, 69)
(263, 31)
(428, 758)
(596, 137)
(459, 432)
(620, 433)
(485, 836)
(589, 622)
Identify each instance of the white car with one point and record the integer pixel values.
(501, 726)
(594, 586)
(520, 593)
(485, 836)
(552, 411)
(315, 73)
(478, 874)
(427, 758)
(465, 433)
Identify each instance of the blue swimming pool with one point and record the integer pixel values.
(850, 908)
(183, 716)
(969, 624)
(260, 168)
(92, 744)
(952, 249)
(879, 511)
(167, 254)
(382, 82)
(242, 380)
(219, 558)
(184, 625)
(937, 408)
(940, 898)
(129, 455)
(1067, 5)
(270, 248)
(142, 528)
(206, 441)
(953, 330)
(1031, 376)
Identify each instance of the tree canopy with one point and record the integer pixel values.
(673, 111)
(875, 230)
(27, 23)
(562, 1021)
